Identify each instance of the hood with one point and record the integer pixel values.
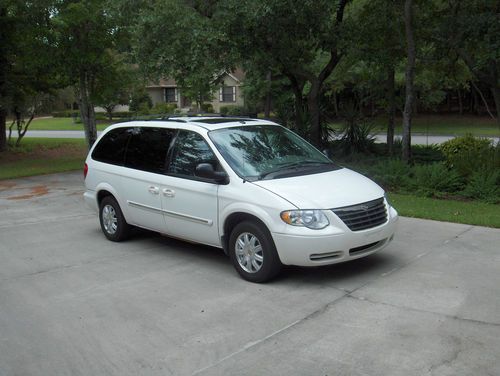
(325, 190)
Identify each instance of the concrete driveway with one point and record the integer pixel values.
(73, 303)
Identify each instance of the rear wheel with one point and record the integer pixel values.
(113, 223)
(253, 253)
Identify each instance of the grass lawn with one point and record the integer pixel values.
(61, 124)
(469, 212)
(443, 125)
(37, 156)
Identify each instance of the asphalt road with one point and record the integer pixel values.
(416, 139)
(73, 303)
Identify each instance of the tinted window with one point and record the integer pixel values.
(147, 148)
(190, 149)
(111, 148)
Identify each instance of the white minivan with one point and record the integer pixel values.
(251, 187)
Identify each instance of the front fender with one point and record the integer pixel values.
(269, 216)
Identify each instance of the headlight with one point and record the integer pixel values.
(314, 219)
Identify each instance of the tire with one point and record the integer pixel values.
(253, 252)
(113, 223)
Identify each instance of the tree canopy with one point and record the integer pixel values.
(308, 59)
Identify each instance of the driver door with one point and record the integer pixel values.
(190, 203)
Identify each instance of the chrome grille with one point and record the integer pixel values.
(363, 216)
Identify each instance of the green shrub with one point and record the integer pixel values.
(66, 113)
(484, 185)
(434, 180)
(207, 107)
(143, 109)
(392, 174)
(122, 114)
(357, 137)
(163, 108)
(468, 154)
(357, 134)
(232, 110)
(427, 154)
(140, 102)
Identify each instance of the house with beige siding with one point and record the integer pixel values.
(229, 92)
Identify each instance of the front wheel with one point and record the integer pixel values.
(113, 223)
(253, 253)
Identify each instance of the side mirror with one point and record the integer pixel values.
(206, 171)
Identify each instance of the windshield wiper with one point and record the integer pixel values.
(293, 166)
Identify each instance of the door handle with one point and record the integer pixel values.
(154, 190)
(168, 192)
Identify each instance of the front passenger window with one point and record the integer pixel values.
(190, 149)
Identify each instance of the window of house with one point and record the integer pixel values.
(170, 94)
(227, 94)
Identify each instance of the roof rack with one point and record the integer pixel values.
(204, 114)
(210, 118)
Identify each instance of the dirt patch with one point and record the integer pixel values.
(44, 152)
(36, 191)
(6, 185)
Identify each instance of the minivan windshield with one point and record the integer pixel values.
(258, 152)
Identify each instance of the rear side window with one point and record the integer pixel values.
(190, 149)
(147, 148)
(111, 147)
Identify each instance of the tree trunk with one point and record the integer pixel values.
(314, 113)
(110, 114)
(87, 110)
(460, 103)
(3, 129)
(299, 114)
(335, 104)
(391, 108)
(3, 70)
(267, 104)
(409, 77)
(496, 96)
(22, 132)
(299, 104)
(485, 102)
(474, 106)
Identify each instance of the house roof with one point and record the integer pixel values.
(239, 74)
(163, 82)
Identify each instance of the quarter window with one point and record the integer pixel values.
(190, 150)
(111, 148)
(147, 148)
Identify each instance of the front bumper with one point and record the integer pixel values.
(310, 250)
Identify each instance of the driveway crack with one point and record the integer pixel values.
(453, 317)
